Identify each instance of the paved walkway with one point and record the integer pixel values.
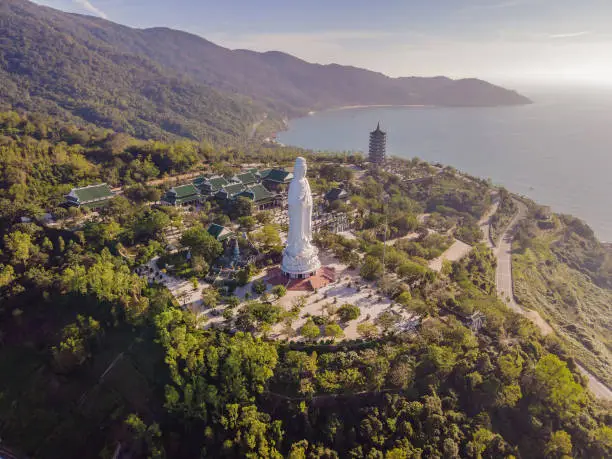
(503, 281)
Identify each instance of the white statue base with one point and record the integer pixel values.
(302, 265)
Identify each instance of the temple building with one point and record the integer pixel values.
(182, 195)
(210, 185)
(273, 179)
(92, 196)
(220, 233)
(378, 146)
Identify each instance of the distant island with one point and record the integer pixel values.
(163, 83)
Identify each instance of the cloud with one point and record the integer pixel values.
(91, 8)
(569, 35)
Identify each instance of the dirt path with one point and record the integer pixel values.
(460, 249)
(503, 281)
(455, 252)
(175, 178)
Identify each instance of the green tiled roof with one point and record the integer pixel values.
(279, 176)
(182, 194)
(264, 173)
(336, 193)
(185, 191)
(91, 193)
(199, 181)
(232, 189)
(216, 183)
(257, 193)
(220, 233)
(247, 178)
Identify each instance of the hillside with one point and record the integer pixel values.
(562, 271)
(159, 82)
(48, 66)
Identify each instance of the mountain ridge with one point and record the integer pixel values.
(159, 82)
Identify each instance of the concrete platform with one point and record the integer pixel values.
(324, 276)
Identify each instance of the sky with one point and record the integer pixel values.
(504, 41)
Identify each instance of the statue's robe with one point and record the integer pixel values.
(300, 217)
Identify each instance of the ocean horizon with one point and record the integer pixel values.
(557, 151)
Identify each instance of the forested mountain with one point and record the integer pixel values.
(49, 65)
(156, 82)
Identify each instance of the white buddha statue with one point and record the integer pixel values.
(300, 256)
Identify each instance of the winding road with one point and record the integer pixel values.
(503, 282)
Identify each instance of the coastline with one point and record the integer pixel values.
(351, 107)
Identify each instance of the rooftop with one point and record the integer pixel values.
(336, 193)
(220, 233)
(215, 183)
(232, 189)
(91, 193)
(378, 130)
(184, 191)
(247, 178)
(277, 175)
(257, 193)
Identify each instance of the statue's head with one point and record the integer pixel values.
(299, 171)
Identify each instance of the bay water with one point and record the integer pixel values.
(557, 151)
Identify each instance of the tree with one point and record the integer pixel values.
(309, 330)
(386, 320)
(250, 433)
(248, 223)
(559, 445)
(210, 297)
(555, 384)
(7, 275)
(243, 276)
(264, 217)
(268, 236)
(367, 329)
(401, 373)
(146, 440)
(233, 301)
(509, 395)
(200, 242)
(258, 287)
(510, 366)
(348, 312)
(242, 207)
(151, 223)
(371, 269)
(279, 290)
(334, 331)
(20, 245)
(404, 298)
(412, 272)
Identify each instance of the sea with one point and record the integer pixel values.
(557, 151)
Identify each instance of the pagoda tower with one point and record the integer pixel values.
(378, 146)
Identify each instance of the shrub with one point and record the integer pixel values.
(348, 312)
(258, 287)
(309, 330)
